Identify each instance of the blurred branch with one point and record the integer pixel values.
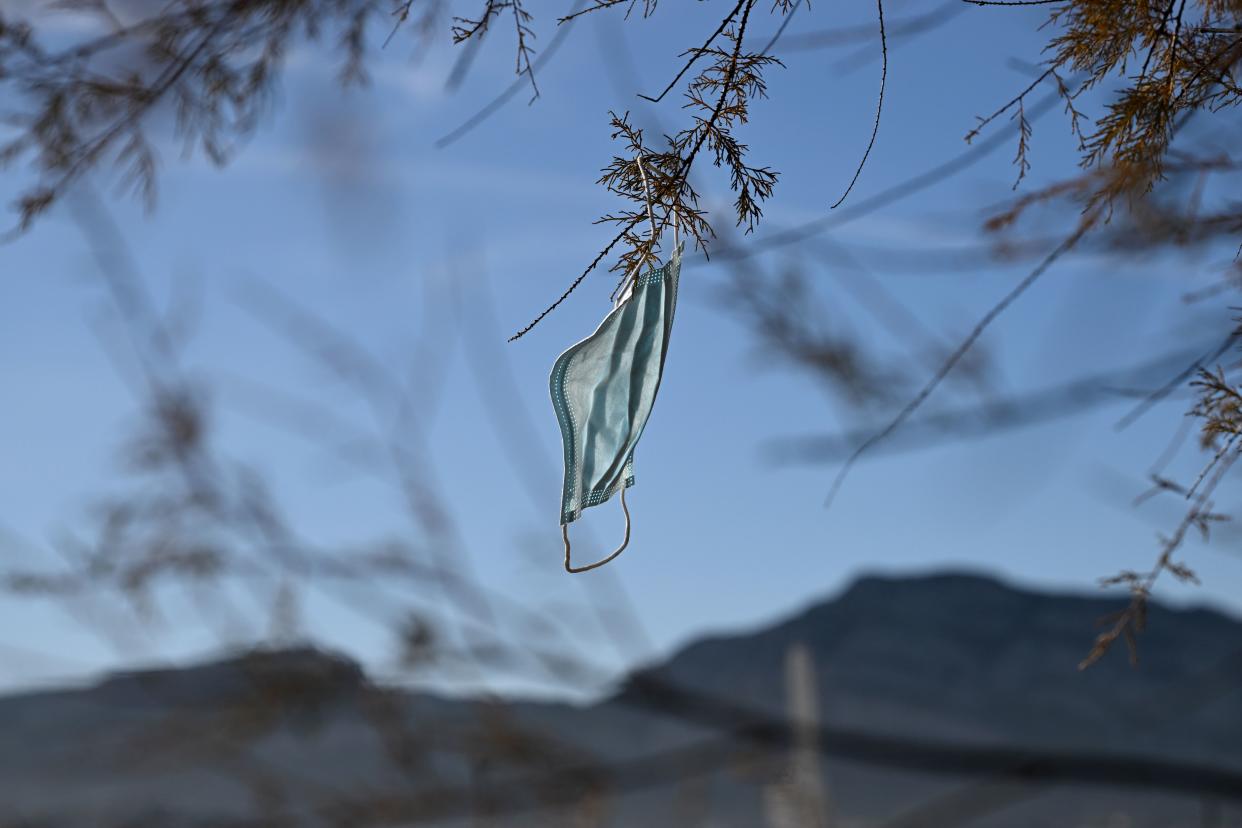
(978, 421)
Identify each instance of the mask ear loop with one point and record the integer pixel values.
(652, 235)
(574, 570)
(620, 293)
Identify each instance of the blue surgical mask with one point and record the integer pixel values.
(603, 389)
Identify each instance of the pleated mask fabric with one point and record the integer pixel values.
(603, 389)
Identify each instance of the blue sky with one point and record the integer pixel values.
(342, 203)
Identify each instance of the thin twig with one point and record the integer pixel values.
(957, 355)
(879, 106)
(695, 54)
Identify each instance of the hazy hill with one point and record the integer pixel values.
(301, 737)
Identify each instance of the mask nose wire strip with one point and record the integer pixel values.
(624, 543)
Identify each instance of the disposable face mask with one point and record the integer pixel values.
(603, 389)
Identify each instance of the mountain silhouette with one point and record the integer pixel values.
(943, 699)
